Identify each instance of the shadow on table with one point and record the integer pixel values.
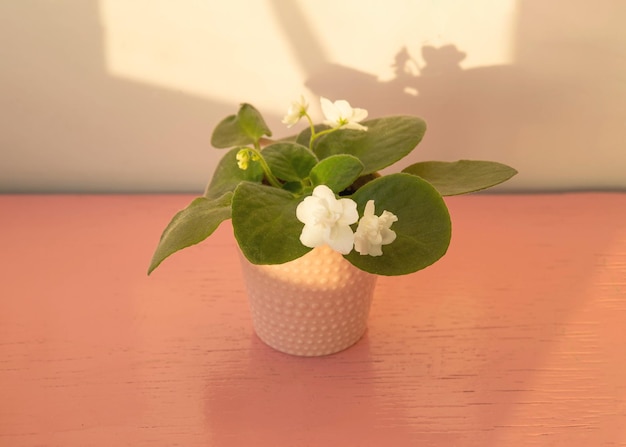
(279, 399)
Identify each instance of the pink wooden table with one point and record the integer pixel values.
(516, 338)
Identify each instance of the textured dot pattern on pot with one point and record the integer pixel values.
(315, 305)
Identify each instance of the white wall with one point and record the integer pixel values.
(119, 95)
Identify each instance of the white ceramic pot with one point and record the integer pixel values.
(315, 305)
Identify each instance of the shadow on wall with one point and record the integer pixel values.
(557, 114)
(465, 119)
(69, 126)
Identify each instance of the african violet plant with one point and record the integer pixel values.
(323, 187)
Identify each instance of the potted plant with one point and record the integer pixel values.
(316, 222)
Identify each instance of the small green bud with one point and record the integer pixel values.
(243, 159)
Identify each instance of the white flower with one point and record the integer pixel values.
(327, 220)
(373, 231)
(340, 115)
(296, 110)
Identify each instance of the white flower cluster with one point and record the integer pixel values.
(327, 220)
(338, 114)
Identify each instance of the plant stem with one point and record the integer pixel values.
(315, 136)
(266, 169)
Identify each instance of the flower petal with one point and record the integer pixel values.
(387, 236)
(329, 110)
(359, 114)
(354, 126)
(341, 239)
(349, 213)
(306, 210)
(324, 192)
(314, 235)
(343, 108)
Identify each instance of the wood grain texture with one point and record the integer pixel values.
(515, 338)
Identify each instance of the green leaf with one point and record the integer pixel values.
(265, 224)
(247, 127)
(359, 182)
(289, 162)
(294, 187)
(386, 141)
(228, 175)
(337, 172)
(463, 176)
(191, 225)
(423, 228)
